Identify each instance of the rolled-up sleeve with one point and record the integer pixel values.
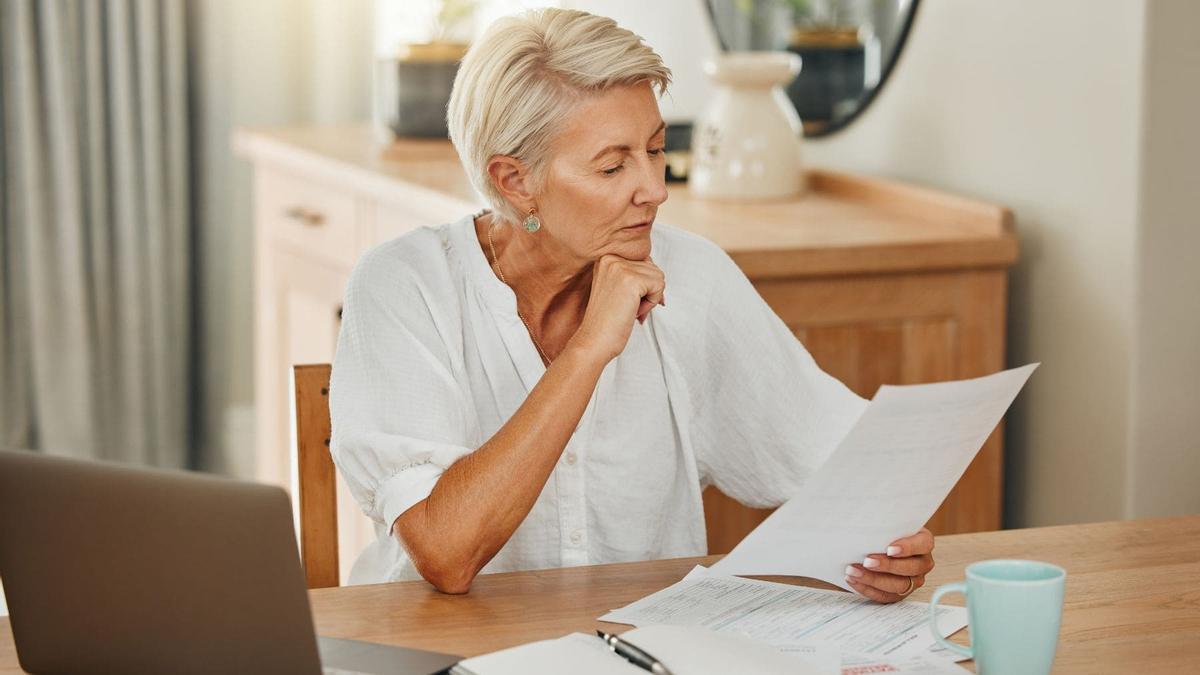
(398, 414)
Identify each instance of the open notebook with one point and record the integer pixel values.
(684, 650)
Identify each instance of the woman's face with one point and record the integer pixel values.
(606, 172)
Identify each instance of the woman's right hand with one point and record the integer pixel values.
(623, 290)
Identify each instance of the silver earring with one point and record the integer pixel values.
(532, 223)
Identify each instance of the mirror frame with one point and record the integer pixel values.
(868, 97)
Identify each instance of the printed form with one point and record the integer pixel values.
(793, 618)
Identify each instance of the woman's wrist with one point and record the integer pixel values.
(580, 354)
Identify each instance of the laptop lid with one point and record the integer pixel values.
(109, 568)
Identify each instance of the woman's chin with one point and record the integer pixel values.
(635, 250)
(628, 245)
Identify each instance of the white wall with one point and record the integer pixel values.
(260, 63)
(1164, 467)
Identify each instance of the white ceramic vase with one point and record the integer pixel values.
(747, 142)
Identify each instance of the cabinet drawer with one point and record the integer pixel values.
(308, 216)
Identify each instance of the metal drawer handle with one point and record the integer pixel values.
(305, 216)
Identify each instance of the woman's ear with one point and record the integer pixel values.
(511, 178)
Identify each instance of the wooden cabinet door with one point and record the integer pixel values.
(309, 300)
(894, 329)
(297, 322)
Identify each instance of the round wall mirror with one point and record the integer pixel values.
(847, 49)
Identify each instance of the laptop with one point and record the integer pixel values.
(110, 568)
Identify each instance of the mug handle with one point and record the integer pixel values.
(959, 587)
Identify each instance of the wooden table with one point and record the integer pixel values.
(1132, 598)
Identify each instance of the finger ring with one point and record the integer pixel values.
(912, 584)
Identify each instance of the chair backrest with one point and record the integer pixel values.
(318, 484)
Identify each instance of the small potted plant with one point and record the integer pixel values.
(835, 45)
(425, 72)
(831, 37)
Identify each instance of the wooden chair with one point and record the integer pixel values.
(318, 484)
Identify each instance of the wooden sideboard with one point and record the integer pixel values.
(883, 282)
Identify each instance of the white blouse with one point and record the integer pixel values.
(712, 389)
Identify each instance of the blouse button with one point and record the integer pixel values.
(571, 458)
(576, 537)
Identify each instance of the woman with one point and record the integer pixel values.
(511, 390)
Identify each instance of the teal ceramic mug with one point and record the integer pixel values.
(1013, 611)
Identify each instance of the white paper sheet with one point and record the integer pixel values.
(792, 617)
(586, 654)
(884, 480)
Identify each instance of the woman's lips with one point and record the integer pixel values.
(639, 226)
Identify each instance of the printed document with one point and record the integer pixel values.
(793, 618)
(884, 480)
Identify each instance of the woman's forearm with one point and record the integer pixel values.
(481, 499)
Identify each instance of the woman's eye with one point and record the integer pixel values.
(657, 152)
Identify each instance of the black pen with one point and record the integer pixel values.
(632, 654)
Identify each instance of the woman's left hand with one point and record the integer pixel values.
(884, 577)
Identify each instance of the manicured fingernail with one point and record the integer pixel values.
(870, 563)
(852, 571)
(893, 551)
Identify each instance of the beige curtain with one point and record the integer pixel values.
(95, 231)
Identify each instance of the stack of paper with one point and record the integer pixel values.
(793, 618)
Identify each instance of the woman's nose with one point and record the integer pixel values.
(652, 189)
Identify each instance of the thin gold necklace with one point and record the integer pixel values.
(496, 263)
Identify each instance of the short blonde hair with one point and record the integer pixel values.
(524, 75)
